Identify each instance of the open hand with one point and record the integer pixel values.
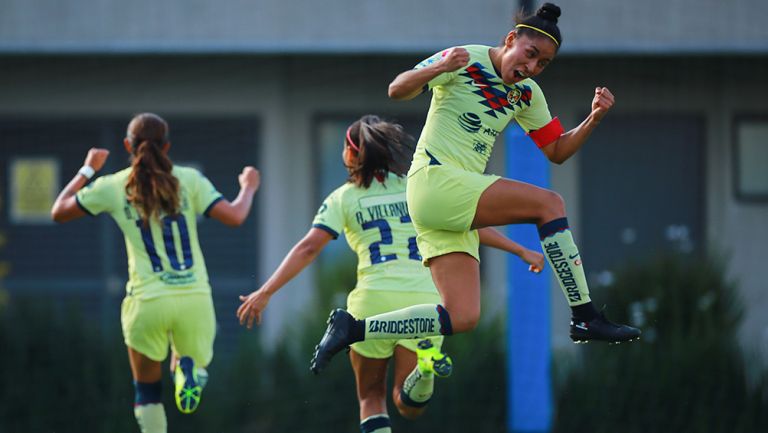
(252, 307)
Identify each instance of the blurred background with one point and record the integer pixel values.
(668, 202)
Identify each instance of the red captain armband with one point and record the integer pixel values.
(547, 133)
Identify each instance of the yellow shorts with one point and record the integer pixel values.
(442, 201)
(186, 322)
(365, 303)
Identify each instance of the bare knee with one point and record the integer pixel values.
(553, 207)
(463, 318)
(466, 323)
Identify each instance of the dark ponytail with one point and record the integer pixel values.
(541, 24)
(151, 187)
(381, 147)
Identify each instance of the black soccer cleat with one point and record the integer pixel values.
(338, 335)
(602, 329)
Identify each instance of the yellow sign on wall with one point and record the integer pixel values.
(34, 184)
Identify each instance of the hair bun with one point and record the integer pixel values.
(549, 12)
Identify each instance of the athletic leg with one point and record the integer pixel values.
(405, 366)
(417, 321)
(511, 202)
(457, 278)
(148, 406)
(371, 380)
(192, 333)
(415, 376)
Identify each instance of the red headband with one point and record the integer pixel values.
(351, 143)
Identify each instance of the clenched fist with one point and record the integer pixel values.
(96, 158)
(602, 102)
(249, 178)
(453, 59)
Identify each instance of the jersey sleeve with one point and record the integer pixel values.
(330, 215)
(537, 114)
(441, 79)
(206, 195)
(538, 122)
(98, 196)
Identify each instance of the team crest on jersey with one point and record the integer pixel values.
(514, 95)
(520, 95)
(497, 96)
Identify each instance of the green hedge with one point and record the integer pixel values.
(57, 374)
(686, 374)
(61, 372)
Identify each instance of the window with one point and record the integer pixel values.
(751, 158)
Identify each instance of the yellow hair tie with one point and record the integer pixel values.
(540, 31)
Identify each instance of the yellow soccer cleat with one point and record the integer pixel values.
(431, 360)
(188, 385)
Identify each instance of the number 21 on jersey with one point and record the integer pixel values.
(386, 239)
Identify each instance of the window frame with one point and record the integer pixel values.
(736, 153)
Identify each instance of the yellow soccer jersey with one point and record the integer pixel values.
(469, 109)
(164, 258)
(378, 229)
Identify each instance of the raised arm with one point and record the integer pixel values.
(570, 142)
(410, 83)
(300, 256)
(234, 213)
(493, 238)
(65, 207)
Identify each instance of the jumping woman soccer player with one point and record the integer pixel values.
(168, 301)
(370, 208)
(477, 90)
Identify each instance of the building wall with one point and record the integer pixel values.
(688, 26)
(268, 26)
(246, 26)
(285, 94)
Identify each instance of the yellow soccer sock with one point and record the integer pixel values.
(417, 388)
(151, 418)
(424, 320)
(376, 424)
(563, 255)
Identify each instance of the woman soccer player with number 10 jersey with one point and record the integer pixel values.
(168, 300)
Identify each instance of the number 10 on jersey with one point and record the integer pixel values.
(169, 240)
